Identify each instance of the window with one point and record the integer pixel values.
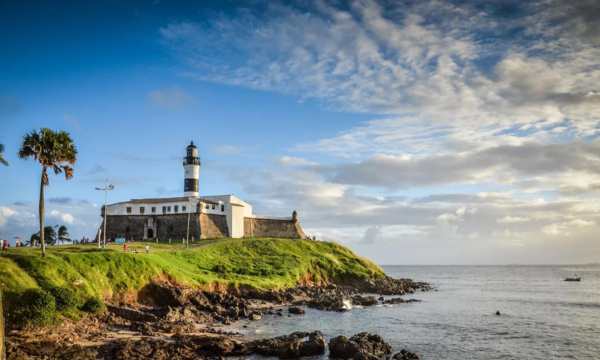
(142, 209)
(129, 209)
(153, 209)
(183, 208)
(176, 208)
(213, 206)
(207, 207)
(168, 209)
(222, 207)
(164, 209)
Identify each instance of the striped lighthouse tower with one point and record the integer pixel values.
(191, 166)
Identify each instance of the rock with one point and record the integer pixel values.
(163, 295)
(143, 328)
(341, 347)
(405, 355)
(255, 315)
(131, 314)
(328, 301)
(389, 286)
(498, 312)
(179, 347)
(399, 300)
(359, 346)
(364, 300)
(294, 345)
(212, 345)
(396, 300)
(296, 310)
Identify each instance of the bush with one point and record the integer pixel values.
(65, 298)
(222, 269)
(94, 306)
(33, 306)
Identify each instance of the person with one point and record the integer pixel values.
(125, 247)
(4, 245)
(147, 247)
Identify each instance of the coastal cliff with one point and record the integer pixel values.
(80, 293)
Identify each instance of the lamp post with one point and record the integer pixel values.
(106, 189)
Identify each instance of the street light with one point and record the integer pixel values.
(106, 189)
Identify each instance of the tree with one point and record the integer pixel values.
(53, 150)
(63, 234)
(49, 234)
(2, 160)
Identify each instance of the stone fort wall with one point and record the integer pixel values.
(213, 226)
(172, 226)
(202, 226)
(264, 227)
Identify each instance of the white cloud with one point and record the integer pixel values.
(61, 216)
(295, 161)
(422, 59)
(227, 149)
(5, 213)
(513, 219)
(169, 98)
(488, 129)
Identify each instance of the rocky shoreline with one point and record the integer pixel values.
(172, 322)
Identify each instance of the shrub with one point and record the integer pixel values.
(33, 306)
(65, 298)
(94, 306)
(222, 269)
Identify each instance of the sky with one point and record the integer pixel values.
(414, 132)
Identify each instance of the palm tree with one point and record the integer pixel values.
(54, 150)
(49, 235)
(2, 160)
(63, 234)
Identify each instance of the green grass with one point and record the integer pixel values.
(263, 263)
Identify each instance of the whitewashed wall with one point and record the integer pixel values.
(121, 208)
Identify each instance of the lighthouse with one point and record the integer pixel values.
(191, 166)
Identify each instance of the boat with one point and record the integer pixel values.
(574, 278)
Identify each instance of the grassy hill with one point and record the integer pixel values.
(78, 274)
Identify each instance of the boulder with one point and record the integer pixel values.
(328, 301)
(360, 346)
(364, 300)
(396, 300)
(399, 300)
(405, 355)
(296, 310)
(294, 345)
(131, 314)
(163, 295)
(340, 347)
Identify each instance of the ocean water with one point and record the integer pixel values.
(543, 317)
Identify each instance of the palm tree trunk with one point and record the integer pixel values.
(41, 212)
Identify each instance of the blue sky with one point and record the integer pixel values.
(429, 132)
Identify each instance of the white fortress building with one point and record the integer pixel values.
(199, 217)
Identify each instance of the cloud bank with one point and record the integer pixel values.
(482, 147)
